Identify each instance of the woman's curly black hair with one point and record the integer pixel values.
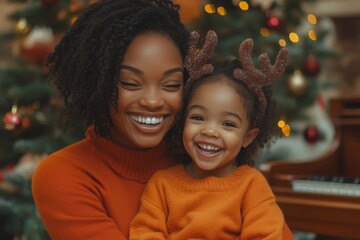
(264, 120)
(86, 62)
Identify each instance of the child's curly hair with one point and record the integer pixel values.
(86, 62)
(264, 120)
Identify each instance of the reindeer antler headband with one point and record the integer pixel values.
(196, 59)
(253, 78)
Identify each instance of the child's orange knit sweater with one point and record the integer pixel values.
(176, 206)
(91, 190)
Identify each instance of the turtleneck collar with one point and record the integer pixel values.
(210, 184)
(137, 165)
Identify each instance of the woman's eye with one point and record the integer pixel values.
(172, 86)
(129, 84)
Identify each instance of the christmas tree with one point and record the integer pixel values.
(274, 24)
(32, 123)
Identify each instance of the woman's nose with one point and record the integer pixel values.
(152, 100)
(210, 132)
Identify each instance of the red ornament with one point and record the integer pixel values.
(11, 121)
(38, 53)
(311, 67)
(311, 134)
(274, 23)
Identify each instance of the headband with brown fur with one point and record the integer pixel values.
(253, 78)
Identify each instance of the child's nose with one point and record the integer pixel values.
(210, 132)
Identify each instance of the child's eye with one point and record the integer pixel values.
(196, 117)
(229, 124)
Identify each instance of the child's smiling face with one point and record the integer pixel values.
(216, 128)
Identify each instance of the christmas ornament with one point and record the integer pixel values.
(38, 45)
(12, 120)
(311, 134)
(22, 26)
(311, 67)
(274, 23)
(297, 84)
(38, 53)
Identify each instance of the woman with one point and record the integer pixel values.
(120, 67)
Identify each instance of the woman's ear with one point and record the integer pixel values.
(250, 136)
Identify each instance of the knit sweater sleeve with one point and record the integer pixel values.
(150, 222)
(262, 218)
(70, 207)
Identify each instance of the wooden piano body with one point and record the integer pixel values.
(324, 214)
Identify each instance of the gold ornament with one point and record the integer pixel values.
(22, 26)
(297, 84)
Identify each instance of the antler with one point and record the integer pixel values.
(254, 78)
(195, 61)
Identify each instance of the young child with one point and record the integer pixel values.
(218, 194)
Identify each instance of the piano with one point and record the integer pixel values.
(310, 204)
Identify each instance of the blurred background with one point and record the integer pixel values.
(323, 38)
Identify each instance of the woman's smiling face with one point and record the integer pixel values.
(150, 92)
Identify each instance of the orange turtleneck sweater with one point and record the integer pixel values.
(91, 190)
(177, 206)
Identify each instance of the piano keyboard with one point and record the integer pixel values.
(328, 185)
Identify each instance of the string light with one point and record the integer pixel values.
(243, 5)
(209, 8)
(312, 35)
(221, 11)
(294, 37)
(312, 19)
(285, 128)
(264, 32)
(282, 42)
(281, 123)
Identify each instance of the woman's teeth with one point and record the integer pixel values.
(148, 120)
